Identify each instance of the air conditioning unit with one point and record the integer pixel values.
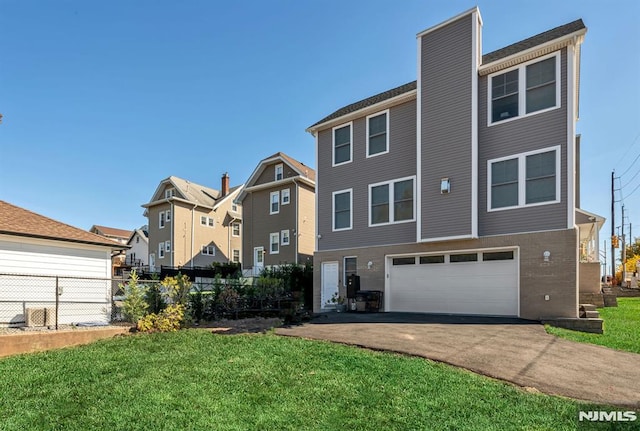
(35, 317)
(40, 317)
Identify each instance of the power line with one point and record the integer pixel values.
(632, 178)
(628, 149)
(632, 191)
(629, 168)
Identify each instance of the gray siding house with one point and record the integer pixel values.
(457, 193)
(278, 203)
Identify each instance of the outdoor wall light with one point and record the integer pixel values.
(319, 236)
(445, 186)
(546, 255)
(369, 265)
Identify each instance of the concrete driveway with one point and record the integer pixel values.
(514, 350)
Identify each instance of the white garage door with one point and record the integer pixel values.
(484, 283)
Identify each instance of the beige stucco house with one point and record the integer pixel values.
(191, 225)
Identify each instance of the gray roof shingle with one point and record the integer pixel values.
(536, 40)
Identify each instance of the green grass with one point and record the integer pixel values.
(193, 380)
(621, 327)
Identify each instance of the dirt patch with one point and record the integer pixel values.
(241, 326)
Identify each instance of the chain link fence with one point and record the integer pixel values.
(51, 301)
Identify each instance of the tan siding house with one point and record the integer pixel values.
(191, 225)
(279, 207)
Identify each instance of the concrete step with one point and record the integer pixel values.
(587, 307)
(591, 315)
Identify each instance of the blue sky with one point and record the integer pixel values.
(103, 100)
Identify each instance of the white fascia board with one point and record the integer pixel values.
(449, 21)
(519, 57)
(278, 183)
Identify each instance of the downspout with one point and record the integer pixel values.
(193, 228)
(296, 231)
(173, 233)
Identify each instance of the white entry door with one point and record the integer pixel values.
(329, 282)
(258, 260)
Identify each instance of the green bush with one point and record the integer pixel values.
(134, 305)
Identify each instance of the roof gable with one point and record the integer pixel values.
(301, 170)
(188, 191)
(21, 222)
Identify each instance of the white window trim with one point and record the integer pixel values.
(167, 217)
(206, 221)
(333, 144)
(271, 202)
(161, 250)
(391, 202)
(333, 210)
(386, 111)
(169, 193)
(522, 90)
(233, 225)
(288, 194)
(205, 250)
(161, 220)
(233, 255)
(167, 246)
(275, 176)
(522, 179)
(276, 236)
(282, 236)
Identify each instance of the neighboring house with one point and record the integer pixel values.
(41, 248)
(119, 235)
(278, 204)
(458, 192)
(192, 225)
(137, 255)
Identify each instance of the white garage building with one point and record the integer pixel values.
(46, 264)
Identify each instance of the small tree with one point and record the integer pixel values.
(134, 306)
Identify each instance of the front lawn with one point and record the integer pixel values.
(621, 327)
(195, 380)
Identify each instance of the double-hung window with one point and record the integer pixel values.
(342, 138)
(274, 243)
(274, 207)
(235, 229)
(392, 202)
(161, 250)
(161, 219)
(236, 256)
(525, 89)
(378, 134)
(209, 250)
(342, 209)
(279, 172)
(284, 237)
(286, 196)
(531, 178)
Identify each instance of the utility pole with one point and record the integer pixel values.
(623, 254)
(613, 229)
